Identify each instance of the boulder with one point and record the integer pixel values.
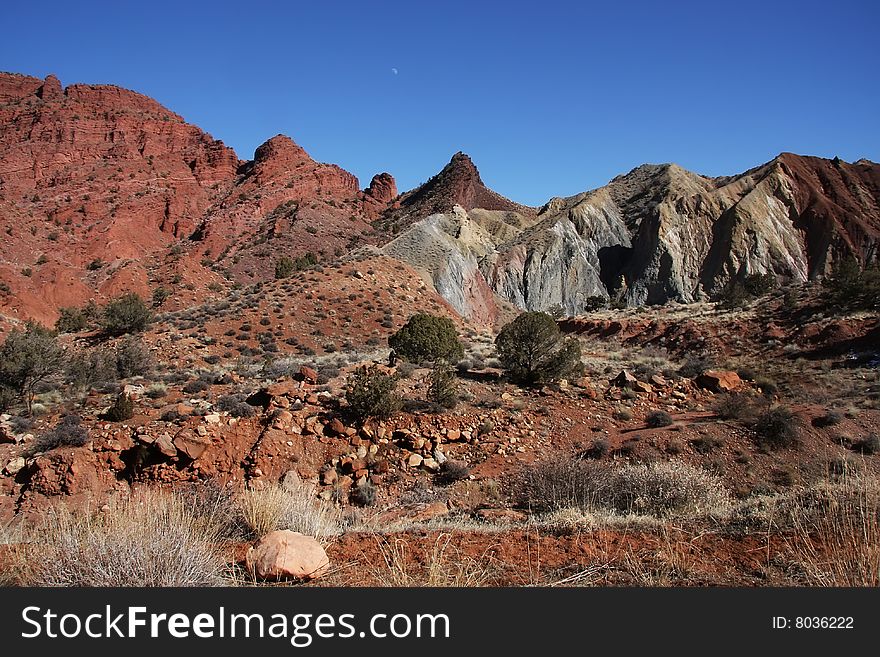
(719, 380)
(308, 375)
(286, 554)
(624, 380)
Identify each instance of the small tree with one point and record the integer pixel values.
(443, 385)
(850, 287)
(284, 267)
(126, 314)
(427, 337)
(28, 358)
(371, 392)
(532, 350)
(71, 320)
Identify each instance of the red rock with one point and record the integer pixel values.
(308, 375)
(383, 188)
(718, 380)
(191, 445)
(336, 427)
(285, 554)
(624, 380)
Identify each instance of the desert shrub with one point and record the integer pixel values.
(835, 535)
(594, 303)
(829, 419)
(452, 471)
(732, 407)
(152, 539)
(708, 443)
(160, 296)
(364, 494)
(561, 482)
(126, 314)
(427, 338)
(658, 419)
(156, 391)
(869, 445)
(69, 432)
(768, 387)
(28, 358)
(667, 488)
(87, 368)
(132, 357)
(71, 320)
(443, 385)
(746, 373)
(236, 406)
(121, 409)
(371, 392)
(738, 292)
(292, 506)
(693, 366)
(661, 489)
(285, 265)
(598, 449)
(195, 387)
(8, 397)
(532, 350)
(777, 428)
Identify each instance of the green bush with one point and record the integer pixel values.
(160, 295)
(371, 392)
(850, 287)
(427, 337)
(285, 265)
(443, 385)
(71, 320)
(532, 350)
(126, 314)
(28, 358)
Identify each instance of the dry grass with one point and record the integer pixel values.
(840, 546)
(663, 489)
(149, 539)
(442, 565)
(293, 507)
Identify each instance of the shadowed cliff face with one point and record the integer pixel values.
(656, 234)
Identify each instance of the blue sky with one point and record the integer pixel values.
(549, 98)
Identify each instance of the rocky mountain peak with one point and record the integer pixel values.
(51, 89)
(383, 187)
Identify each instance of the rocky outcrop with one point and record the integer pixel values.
(656, 234)
(383, 188)
(285, 554)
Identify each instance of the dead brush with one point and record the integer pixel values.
(149, 539)
(292, 507)
(840, 546)
(441, 565)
